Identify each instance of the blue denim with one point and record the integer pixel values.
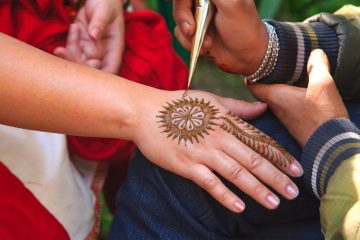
(156, 204)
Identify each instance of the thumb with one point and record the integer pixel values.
(243, 109)
(99, 19)
(318, 69)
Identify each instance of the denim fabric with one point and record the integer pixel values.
(156, 204)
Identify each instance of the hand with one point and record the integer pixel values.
(96, 38)
(237, 39)
(165, 139)
(301, 110)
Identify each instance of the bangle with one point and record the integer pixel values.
(269, 62)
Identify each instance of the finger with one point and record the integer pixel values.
(318, 70)
(99, 19)
(60, 52)
(260, 91)
(183, 40)
(206, 179)
(244, 180)
(114, 48)
(90, 49)
(264, 170)
(184, 17)
(94, 63)
(243, 109)
(73, 43)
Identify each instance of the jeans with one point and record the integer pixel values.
(156, 204)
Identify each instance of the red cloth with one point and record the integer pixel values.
(21, 215)
(148, 59)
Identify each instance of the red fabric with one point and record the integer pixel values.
(21, 214)
(41, 23)
(148, 59)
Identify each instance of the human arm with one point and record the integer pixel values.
(96, 38)
(331, 156)
(237, 43)
(42, 92)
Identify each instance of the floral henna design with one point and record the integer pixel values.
(186, 119)
(256, 140)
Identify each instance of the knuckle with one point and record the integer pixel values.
(259, 190)
(255, 161)
(235, 172)
(278, 179)
(210, 183)
(225, 197)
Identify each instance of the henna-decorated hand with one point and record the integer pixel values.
(237, 38)
(96, 38)
(302, 110)
(197, 136)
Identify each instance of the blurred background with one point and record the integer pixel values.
(207, 76)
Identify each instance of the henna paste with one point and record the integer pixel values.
(188, 119)
(256, 140)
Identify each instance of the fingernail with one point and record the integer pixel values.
(292, 191)
(239, 206)
(185, 27)
(95, 33)
(296, 168)
(257, 103)
(273, 200)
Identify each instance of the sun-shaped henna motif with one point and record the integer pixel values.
(186, 119)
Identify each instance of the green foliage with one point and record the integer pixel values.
(298, 10)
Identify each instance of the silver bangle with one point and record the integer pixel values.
(269, 62)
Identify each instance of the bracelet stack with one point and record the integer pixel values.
(270, 58)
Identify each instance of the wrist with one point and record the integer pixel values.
(269, 60)
(254, 55)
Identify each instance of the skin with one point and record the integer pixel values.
(69, 98)
(308, 108)
(96, 38)
(237, 39)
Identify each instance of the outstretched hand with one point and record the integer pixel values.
(303, 110)
(196, 136)
(96, 38)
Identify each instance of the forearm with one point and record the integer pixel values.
(331, 162)
(42, 92)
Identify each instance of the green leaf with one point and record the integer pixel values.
(269, 8)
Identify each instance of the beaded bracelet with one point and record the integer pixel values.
(269, 62)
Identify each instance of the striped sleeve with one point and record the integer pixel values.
(332, 143)
(296, 41)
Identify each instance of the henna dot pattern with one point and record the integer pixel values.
(188, 119)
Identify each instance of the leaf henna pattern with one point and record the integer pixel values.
(256, 140)
(188, 119)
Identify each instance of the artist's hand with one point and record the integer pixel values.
(96, 38)
(164, 135)
(237, 38)
(302, 110)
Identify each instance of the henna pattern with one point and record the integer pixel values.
(256, 140)
(186, 119)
